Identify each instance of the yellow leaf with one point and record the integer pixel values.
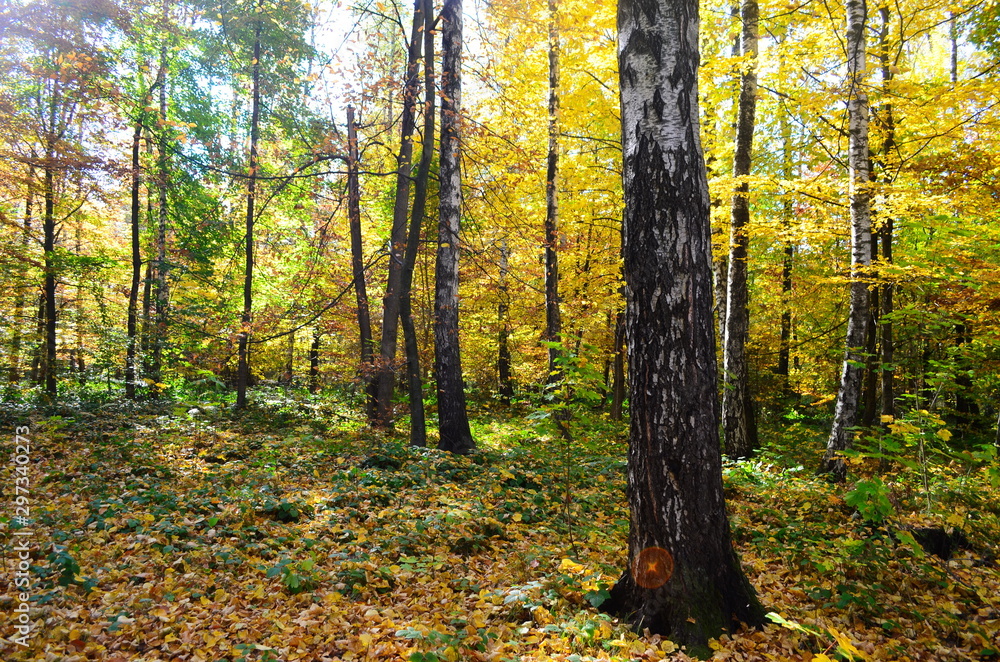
(365, 639)
(541, 616)
(943, 434)
(820, 657)
(517, 517)
(568, 565)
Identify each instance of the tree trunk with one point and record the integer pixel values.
(290, 359)
(683, 579)
(314, 362)
(870, 391)
(503, 321)
(418, 422)
(386, 377)
(48, 362)
(366, 367)
(453, 419)
(162, 293)
(788, 260)
(243, 369)
(845, 415)
(133, 293)
(15, 346)
(553, 320)
(738, 421)
(885, 232)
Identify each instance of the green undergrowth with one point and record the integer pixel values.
(311, 533)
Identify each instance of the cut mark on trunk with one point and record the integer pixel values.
(653, 567)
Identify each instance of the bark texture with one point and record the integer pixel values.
(386, 377)
(243, 369)
(133, 293)
(684, 579)
(418, 422)
(453, 419)
(739, 425)
(366, 367)
(553, 319)
(845, 415)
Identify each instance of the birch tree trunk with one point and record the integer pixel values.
(553, 319)
(738, 422)
(162, 293)
(683, 579)
(453, 420)
(133, 293)
(845, 415)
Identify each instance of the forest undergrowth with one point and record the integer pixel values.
(296, 533)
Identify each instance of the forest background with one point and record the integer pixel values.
(194, 229)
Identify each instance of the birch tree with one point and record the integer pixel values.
(849, 393)
(683, 578)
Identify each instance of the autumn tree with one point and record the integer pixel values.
(849, 392)
(683, 578)
(739, 424)
(452, 415)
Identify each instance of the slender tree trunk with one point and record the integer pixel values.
(366, 367)
(453, 419)
(683, 579)
(161, 289)
(886, 231)
(133, 293)
(386, 376)
(788, 259)
(503, 321)
(553, 320)
(15, 349)
(243, 369)
(849, 394)
(290, 359)
(738, 421)
(314, 362)
(870, 393)
(37, 375)
(418, 422)
(48, 364)
(147, 285)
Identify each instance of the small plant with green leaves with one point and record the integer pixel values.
(296, 576)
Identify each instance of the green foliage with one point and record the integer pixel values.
(296, 576)
(871, 499)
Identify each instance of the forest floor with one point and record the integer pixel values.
(307, 537)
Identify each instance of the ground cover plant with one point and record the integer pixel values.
(290, 534)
